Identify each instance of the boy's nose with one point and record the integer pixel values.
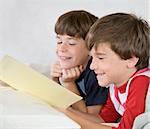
(62, 47)
(93, 64)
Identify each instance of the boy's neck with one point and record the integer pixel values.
(86, 63)
(126, 76)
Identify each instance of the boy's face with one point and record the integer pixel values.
(108, 66)
(71, 51)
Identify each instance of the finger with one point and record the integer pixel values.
(56, 68)
(56, 71)
(81, 68)
(77, 71)
(73, 72)
(56, 74)
(69, 73)
(53, 71)
(64, 73)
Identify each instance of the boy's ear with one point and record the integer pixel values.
(132, 62)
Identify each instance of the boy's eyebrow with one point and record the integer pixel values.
(99, 53)
(71, 37)
(57, 36)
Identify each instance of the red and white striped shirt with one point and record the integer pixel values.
(127, 101)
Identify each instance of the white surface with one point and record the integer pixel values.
(27, 26)
(21, 111)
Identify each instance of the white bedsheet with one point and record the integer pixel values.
(21, 111)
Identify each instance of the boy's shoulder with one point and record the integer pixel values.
(141, 77)
(145, 72)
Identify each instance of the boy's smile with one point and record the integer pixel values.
(64, 58)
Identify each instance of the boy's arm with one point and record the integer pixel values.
(68, 80)
(89, 121)
(90, 117)
(94, 109)
(86, 121)
(80, 105)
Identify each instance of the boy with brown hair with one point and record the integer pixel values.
(120, 45)
(72, 69)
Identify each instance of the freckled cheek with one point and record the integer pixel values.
(75, 54)
(57, 49)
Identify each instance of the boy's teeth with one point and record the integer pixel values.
(64, 58)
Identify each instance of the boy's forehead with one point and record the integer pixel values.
(100, 46)
(101, 49)
(65, 36)
(93, 51)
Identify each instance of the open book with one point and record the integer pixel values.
(24, 78)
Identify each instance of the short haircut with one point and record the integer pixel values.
(75, 23)
(127, 35)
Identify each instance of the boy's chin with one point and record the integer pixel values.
(67, 66)
(103, 84)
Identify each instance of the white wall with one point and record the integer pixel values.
(27, 26)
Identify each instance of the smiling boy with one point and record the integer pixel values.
(120, 46)
(73, 67)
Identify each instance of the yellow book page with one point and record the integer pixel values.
(24, 78)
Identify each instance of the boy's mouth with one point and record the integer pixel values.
(64, 58)
(99, 75)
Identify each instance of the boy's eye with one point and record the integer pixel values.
(59, 42)
(100, 58)
(72, 43)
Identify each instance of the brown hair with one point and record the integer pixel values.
(127, 35)
(75, 23)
